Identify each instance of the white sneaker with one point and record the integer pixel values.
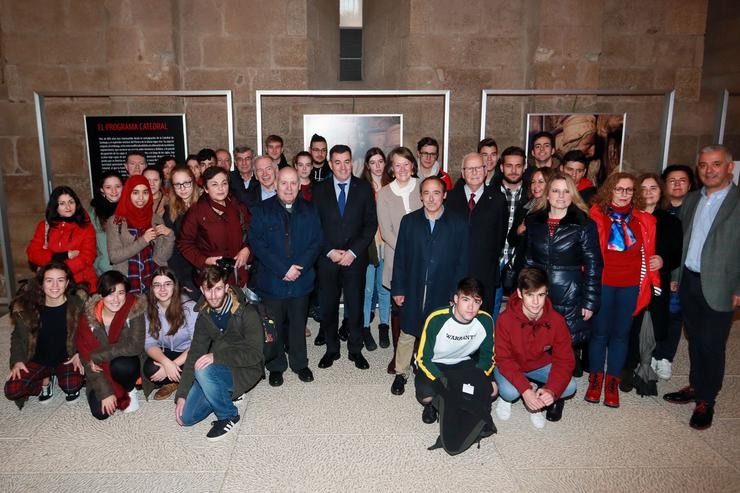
(664, 369)
(537, 419)
(654, 364)
(503, 409)
(133, 406)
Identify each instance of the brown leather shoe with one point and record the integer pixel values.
(165, 391)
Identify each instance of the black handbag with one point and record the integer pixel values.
(508, 277)
(270, 346)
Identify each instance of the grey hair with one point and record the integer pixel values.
(716, 148)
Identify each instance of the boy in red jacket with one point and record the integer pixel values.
(533, 344)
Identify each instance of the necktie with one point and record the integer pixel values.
(342, 201)
(471, 202)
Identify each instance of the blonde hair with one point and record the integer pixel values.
(177, 206)
(575, 197)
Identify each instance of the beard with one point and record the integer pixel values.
(510, 182)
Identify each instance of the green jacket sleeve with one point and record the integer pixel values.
(245, 340)
(425, 354)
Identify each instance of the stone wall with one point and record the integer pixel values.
(247, 45)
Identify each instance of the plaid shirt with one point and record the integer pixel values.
(512, 200)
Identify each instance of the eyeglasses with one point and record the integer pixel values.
(157, 285)
(184, 185)
(427, 154)
(624, 191)
(475, 169)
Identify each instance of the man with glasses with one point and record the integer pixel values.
(679, 181)
(321, 169)
(575, 164)
(428, 150)
(241, 180)
(485, 211)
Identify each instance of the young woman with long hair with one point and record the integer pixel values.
(103, 207)
(43, 348)
(170, 322)
(65, 235)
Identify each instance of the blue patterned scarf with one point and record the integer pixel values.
(621, 237)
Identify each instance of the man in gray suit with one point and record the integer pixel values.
(709, 281)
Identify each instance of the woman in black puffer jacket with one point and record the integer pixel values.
(561, 239)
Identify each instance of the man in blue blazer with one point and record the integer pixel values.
(346, 206)
(709, 280)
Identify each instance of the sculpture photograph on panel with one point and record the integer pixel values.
(599, 135)
(359, 132)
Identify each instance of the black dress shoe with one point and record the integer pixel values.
(367, 339)
(342, 332)
(305, 375)
(702, 417)
(320, 340)
(276, 378)
(383, 339)
(683, 396)
(555, 411)
(360, 361)
(399, 385)
(429, 414)
(328, 359)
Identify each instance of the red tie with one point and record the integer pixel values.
(471, 202)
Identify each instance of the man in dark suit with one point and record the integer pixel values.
(346, 207)
(709, 280)
(241, 180)
(484, 209)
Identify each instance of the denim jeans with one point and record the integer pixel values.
(611, 329)
(210, 393)
(509, 393)
(374, 284)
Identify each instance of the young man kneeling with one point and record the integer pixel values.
(454, 338)
(225, 358)
(533, 344)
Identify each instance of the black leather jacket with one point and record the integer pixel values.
(572, 259)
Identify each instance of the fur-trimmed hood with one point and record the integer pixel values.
(139, 308)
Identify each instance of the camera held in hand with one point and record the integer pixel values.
(226, 263)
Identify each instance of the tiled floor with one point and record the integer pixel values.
(346, 432)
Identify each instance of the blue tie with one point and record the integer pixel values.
(342, 201)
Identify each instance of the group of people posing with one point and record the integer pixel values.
(194, 279)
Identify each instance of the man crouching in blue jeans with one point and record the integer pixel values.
(225, 358)
(533, 345)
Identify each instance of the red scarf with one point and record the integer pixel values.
(87, 343)
(138, 217)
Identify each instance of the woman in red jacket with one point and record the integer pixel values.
(66, 235)
(627, 241)
(533, 344)
(215, 229)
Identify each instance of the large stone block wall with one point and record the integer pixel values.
(247, 45)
